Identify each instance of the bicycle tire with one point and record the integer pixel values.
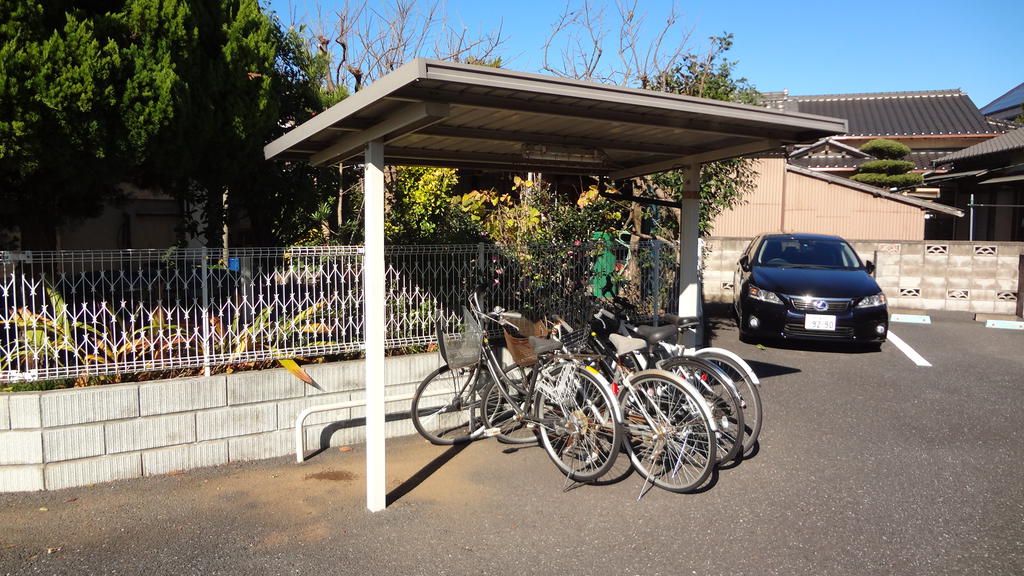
(720, 393)
(668, 437)
(446, 405)
(750, 394)
(580, 426)
(508, 422)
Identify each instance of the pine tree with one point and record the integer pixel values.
(890, 170)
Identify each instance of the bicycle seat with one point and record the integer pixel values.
(544, 345)
(625, 344)
(656, 334)
(680, 321)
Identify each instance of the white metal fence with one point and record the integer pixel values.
(91, 313)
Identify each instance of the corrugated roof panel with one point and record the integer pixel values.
(439, 113)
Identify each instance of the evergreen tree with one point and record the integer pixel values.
(82, 103)
(890, 170)
(168, 94)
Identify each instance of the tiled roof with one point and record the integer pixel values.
(894, 114)
(823, 161)
(922, 159)
(925, 159)
(1009, 142)
(829, 153)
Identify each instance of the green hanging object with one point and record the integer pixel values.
(604, 266)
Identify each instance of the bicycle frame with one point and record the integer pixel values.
(623, 377)
(524, 408)
(647, 357)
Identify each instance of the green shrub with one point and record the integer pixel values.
(885, 149)
(889, 180)
(887, 167)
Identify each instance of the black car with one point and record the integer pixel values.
(808, 287)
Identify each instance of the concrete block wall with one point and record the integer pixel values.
(65, 438)
(980, 277)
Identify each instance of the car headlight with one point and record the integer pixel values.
(762, 294)
(872, 301)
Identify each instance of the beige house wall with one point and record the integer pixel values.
(814, 205)
(785, 201)
(761, 210)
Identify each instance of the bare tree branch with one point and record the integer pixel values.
(366, 41)
(578, 38)
(582, 46)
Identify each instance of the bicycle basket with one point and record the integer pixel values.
(519, 346)
(575, 341)
(462, 348)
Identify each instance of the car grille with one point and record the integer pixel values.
(835, 305)
(797, 329)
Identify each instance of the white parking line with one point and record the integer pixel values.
(906, 349)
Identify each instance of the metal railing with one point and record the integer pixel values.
(76, 314)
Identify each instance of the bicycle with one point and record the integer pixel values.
(725, 380)
(623, 355)
(570, 408)
(669, 429)
(742, 375)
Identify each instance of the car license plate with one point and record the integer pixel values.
(820, 322)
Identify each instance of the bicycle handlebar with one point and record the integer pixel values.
(497, 315)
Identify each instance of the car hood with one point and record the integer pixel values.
(822, 283)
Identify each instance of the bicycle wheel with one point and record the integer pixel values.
(507, 405)
(669, 437)
(721, 395)
(446, 405)
(579, 423)
(749, 389)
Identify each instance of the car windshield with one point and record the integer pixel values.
(806, 253)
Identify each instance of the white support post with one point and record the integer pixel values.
(374, 318)
(690, 300)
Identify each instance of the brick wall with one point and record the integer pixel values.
(979, 277)
(64, 438)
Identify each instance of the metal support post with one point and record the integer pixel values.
(655, 280)
(689, 256)
(374, 327)
(207, 330)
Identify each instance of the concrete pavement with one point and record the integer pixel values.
(868, 465)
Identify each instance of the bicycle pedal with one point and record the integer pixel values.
(491, 432)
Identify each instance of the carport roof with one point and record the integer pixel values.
(432, 113)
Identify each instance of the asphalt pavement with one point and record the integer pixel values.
(868, 464)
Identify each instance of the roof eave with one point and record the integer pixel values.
(744, 128)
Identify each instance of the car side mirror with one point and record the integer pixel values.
(745, 263)
(869, 267)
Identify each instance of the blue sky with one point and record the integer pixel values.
(824, 47)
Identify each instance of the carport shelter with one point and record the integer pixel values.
(430, 113)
